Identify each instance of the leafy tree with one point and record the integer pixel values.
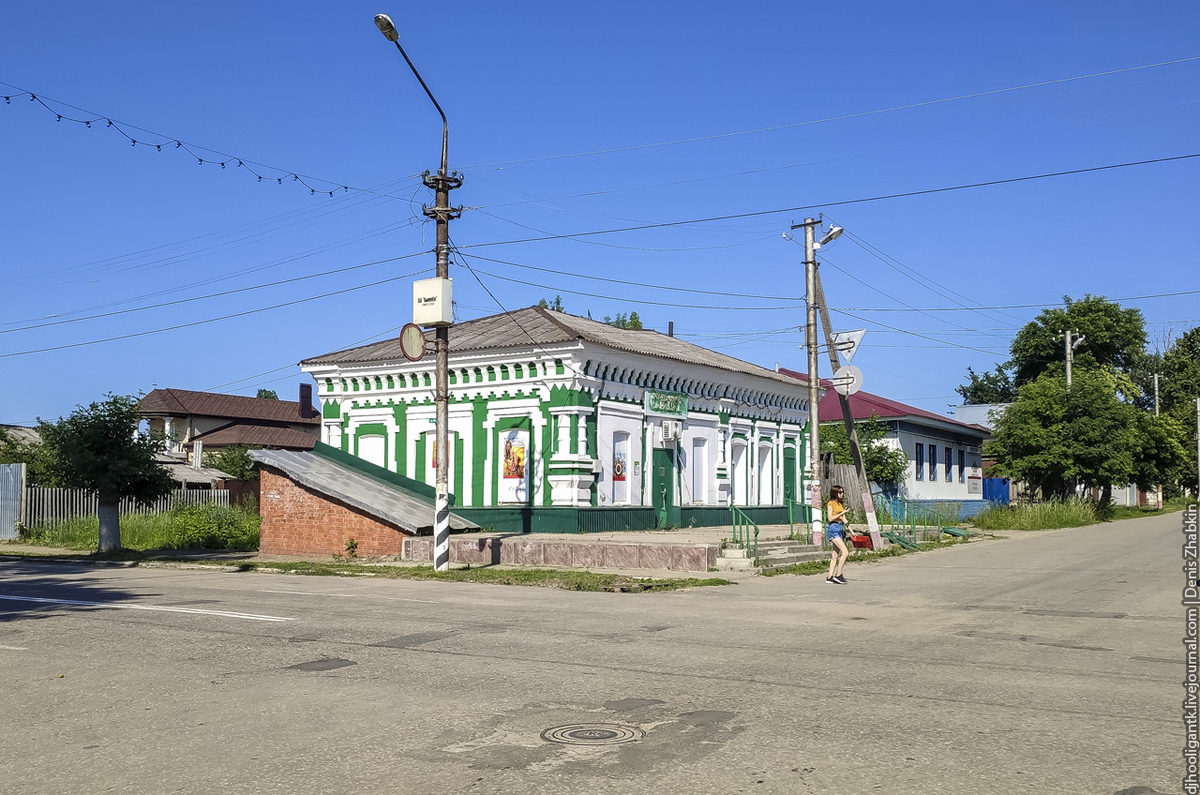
(884, 464)
(555, 306)
(1115, 338)
(624, 321)
(233, 460)
(987, 388)
(1179, 387)
(1055, 439)
(267, 394)
(36, 457)
(100, 448)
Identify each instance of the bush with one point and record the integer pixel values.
(184, 527)
(1048, 515)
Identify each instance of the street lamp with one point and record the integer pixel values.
(441, 184)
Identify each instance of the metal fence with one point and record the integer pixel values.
(50, 507)
(12, 484)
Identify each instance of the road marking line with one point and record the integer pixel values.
(354, 596)
(14, 648)
(193, 610)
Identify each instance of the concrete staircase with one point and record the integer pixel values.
(771, 555)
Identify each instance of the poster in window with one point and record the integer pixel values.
(618, 469)
(514, 463)
(514, 457)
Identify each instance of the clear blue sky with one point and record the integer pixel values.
(568, 118)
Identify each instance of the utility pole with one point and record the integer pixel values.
(441, 184)
(814, 386)
(1159, 493)
(848, 421)
(1071, 346)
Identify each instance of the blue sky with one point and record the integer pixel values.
(566, 118)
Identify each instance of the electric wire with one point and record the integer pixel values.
(842, 202)
(212, 319)
(252, 166)
(221, 294)
(860, 114)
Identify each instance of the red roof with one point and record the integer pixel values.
(864, 404)
(183, 403)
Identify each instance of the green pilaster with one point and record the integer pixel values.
(400, 412)
(478, 451)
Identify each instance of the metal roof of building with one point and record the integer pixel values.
(383, 501)
(255, 435)
(539, 326)
(184, 402)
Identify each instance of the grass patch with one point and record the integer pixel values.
(810, 567)
(543, 578)
(1116, 512)
(1049, 515)
(185, 527)
(1057, 514)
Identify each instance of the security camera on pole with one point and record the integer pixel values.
(432, 306)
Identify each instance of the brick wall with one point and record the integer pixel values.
(298, 521)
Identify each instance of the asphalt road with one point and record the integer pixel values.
(1044, 663)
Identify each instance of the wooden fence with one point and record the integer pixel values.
(50, 507)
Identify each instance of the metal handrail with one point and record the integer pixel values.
(741, 531)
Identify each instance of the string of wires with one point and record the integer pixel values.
(206, 321)
(204, 155)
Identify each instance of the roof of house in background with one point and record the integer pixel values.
(864, 404)
(984, 414)
(22, 433)
(256, 435)
(183, 403)
(539, 326)
(183, 472)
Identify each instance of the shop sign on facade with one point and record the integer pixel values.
(666, 404)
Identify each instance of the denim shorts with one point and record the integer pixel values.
(833, 530)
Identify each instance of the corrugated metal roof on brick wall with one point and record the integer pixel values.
(383, 501)
(184, 402)
(538, 326)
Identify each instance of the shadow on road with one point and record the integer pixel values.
(23, 585)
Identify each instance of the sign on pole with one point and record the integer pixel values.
(846, 342)
(847, 380)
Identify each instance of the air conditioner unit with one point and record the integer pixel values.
(672, 430)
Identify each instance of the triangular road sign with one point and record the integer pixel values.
(846, 342)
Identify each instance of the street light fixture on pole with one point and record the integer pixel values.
(441, 184)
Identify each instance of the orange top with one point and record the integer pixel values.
(836, 511)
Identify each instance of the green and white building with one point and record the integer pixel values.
(560, 423)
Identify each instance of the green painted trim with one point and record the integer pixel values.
(478, 451)
(330, 410)
(419, 458)
(547, 444)
(593, 451)
(458, 463)
(400, 412)
(573, 434)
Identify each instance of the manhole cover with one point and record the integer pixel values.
(593, 734)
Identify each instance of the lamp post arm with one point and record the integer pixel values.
(445, 124)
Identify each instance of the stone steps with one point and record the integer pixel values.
(771, 555)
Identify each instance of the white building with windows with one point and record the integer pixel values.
(575, 423)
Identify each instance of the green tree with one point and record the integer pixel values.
(555, 306)
(1055, 439)
(624, 321)
(101, 449)
(267, 394)
(987, 388)
(884, 464)
(233, 460)
(36, 457)
(1179, 386)
(1115, 338)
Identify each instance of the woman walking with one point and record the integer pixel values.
(834, 531)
